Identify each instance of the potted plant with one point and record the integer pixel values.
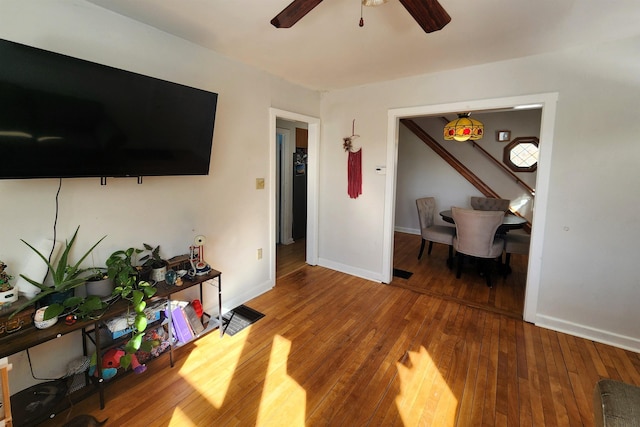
(127, 286)
(99, 283)
(8, 293)
(120, 267)
(135, 293)
(65, 278)
(155, 262)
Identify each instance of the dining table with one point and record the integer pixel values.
(509, 222)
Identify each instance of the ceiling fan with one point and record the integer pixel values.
(429, 14)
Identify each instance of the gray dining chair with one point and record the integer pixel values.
(489, 204)
(476, 237)
(431, 232)
(515, 243)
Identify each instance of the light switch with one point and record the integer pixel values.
(259, 183)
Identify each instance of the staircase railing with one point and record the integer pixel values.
(457, 164)
(450, 158)
(499, 164)
(503, 168)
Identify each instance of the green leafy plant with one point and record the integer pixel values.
(83, 308)
(64, 276)
(120, 267)
(152, 259)
(96, 274)
(135, 293)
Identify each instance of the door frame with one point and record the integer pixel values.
(283, 174)
(312, 185)
(548, 102)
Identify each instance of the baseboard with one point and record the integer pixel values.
(230, 304)
(407, 230)
(343, 268)
(586, 332)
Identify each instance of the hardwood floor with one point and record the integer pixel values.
(290, 257)
(431, 276)
(337, 350)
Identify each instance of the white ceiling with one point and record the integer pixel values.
(328, 50)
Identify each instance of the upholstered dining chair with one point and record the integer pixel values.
(431, 232)
(515, 243)
(476, 237)
(489, 204)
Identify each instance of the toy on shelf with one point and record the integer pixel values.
(107, 373)
(159, 344)
(111, 363)
(199, 266)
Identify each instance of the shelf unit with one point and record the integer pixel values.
(31, 336)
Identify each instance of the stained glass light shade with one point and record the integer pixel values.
(463, 128)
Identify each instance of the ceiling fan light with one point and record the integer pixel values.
(463, 128)
(373, 2)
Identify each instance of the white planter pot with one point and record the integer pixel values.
(7, 297)
(157, 274)
(43, 324)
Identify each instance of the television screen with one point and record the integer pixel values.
(66, 117)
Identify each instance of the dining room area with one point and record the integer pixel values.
(474, 175)
(441, 262)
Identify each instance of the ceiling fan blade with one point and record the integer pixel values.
(429, 14)
(291, 14)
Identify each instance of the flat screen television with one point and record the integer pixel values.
(66, 117)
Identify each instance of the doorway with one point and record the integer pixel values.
(291, 195)
(282, 172)
(547, 102)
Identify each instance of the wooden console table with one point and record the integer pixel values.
(30, 336)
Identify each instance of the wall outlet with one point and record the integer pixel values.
(259, 183)
(260, 253)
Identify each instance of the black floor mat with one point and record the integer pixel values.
(402, 273)
(239, 318)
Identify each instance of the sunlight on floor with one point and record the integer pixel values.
(215, 386)
(283, 400)
(425, 398)
(181, 419)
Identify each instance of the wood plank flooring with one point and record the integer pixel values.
(431, 276)
(290, 257)
(337, 350)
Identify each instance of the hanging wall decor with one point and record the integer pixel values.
(354, 164)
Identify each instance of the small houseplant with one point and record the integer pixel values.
(135, 294)
(120, 267)
(155, 262)
(98, 283)
(65, 278)
(8, 293)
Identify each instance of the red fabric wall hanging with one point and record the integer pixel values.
(355, 173)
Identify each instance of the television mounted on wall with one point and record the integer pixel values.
(63, 117)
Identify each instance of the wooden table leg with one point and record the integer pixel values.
(6, 396)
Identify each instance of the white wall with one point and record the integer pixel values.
(589, 286)
(420, 169)
(224, 206)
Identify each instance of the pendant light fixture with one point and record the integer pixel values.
(463, 128)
